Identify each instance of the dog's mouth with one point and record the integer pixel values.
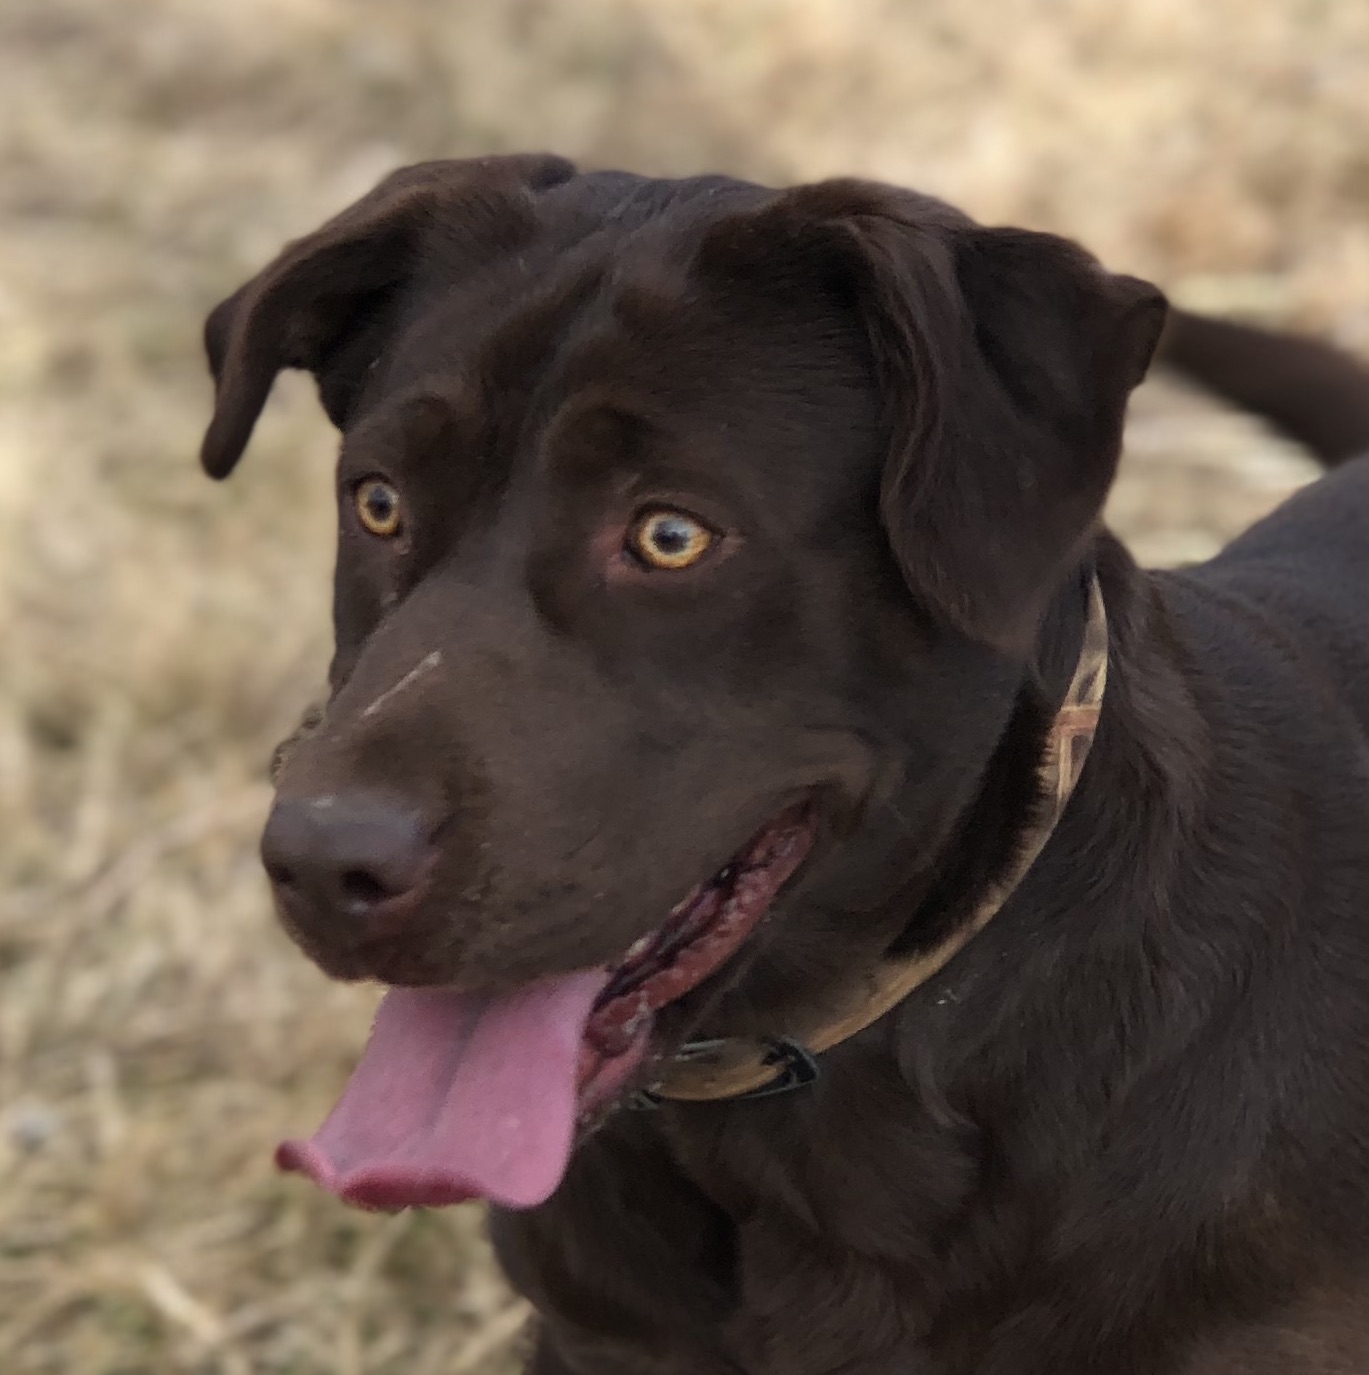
(463, 1096)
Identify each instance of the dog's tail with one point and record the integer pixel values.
(1312, 391)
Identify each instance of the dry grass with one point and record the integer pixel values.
(156, 1033)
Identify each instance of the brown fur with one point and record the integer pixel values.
(1126, 1130)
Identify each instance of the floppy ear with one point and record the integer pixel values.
(991, 498)
(1006, 358)
(303, 308)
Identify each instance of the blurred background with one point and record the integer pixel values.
(158, 634)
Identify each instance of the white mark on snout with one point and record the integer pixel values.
(424, 666)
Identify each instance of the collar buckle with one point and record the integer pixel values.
(795, 1068)
(794, 1064)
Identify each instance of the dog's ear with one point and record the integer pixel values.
(1006, 358)
(995, 486)
(301, 310)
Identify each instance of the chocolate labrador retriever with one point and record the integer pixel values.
(842, 913)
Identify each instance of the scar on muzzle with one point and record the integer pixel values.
(424, 666)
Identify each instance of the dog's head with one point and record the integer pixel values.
(694, 539)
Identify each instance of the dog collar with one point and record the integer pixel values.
(738, 1067)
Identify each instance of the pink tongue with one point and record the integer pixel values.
(457, 1097)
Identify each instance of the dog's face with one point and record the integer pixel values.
(692, 541)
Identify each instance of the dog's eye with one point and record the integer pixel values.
(669, 539)
(378, 507)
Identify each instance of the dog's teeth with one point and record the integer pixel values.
(639, 947)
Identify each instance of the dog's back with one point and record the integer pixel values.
(1305, 569)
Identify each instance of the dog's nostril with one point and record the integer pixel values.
(363, 889)
(278, 873)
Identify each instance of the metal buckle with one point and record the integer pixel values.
(646, 1100)
(797, 1069)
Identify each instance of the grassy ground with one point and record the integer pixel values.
(157, 634)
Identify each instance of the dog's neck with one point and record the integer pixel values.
(745, 1066)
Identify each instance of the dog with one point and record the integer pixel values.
(841, 913)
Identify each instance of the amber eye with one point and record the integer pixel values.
(669, 539)
(378, 507)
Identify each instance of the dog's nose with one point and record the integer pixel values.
(345, 861)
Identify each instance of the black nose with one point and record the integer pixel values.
(349, 857)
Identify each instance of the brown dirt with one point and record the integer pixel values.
(156, 1033)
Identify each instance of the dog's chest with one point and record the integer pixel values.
(813, 1310)
(836, 1225)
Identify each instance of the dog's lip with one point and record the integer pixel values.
(703, 932)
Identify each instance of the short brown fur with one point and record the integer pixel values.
(1126, 1130)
